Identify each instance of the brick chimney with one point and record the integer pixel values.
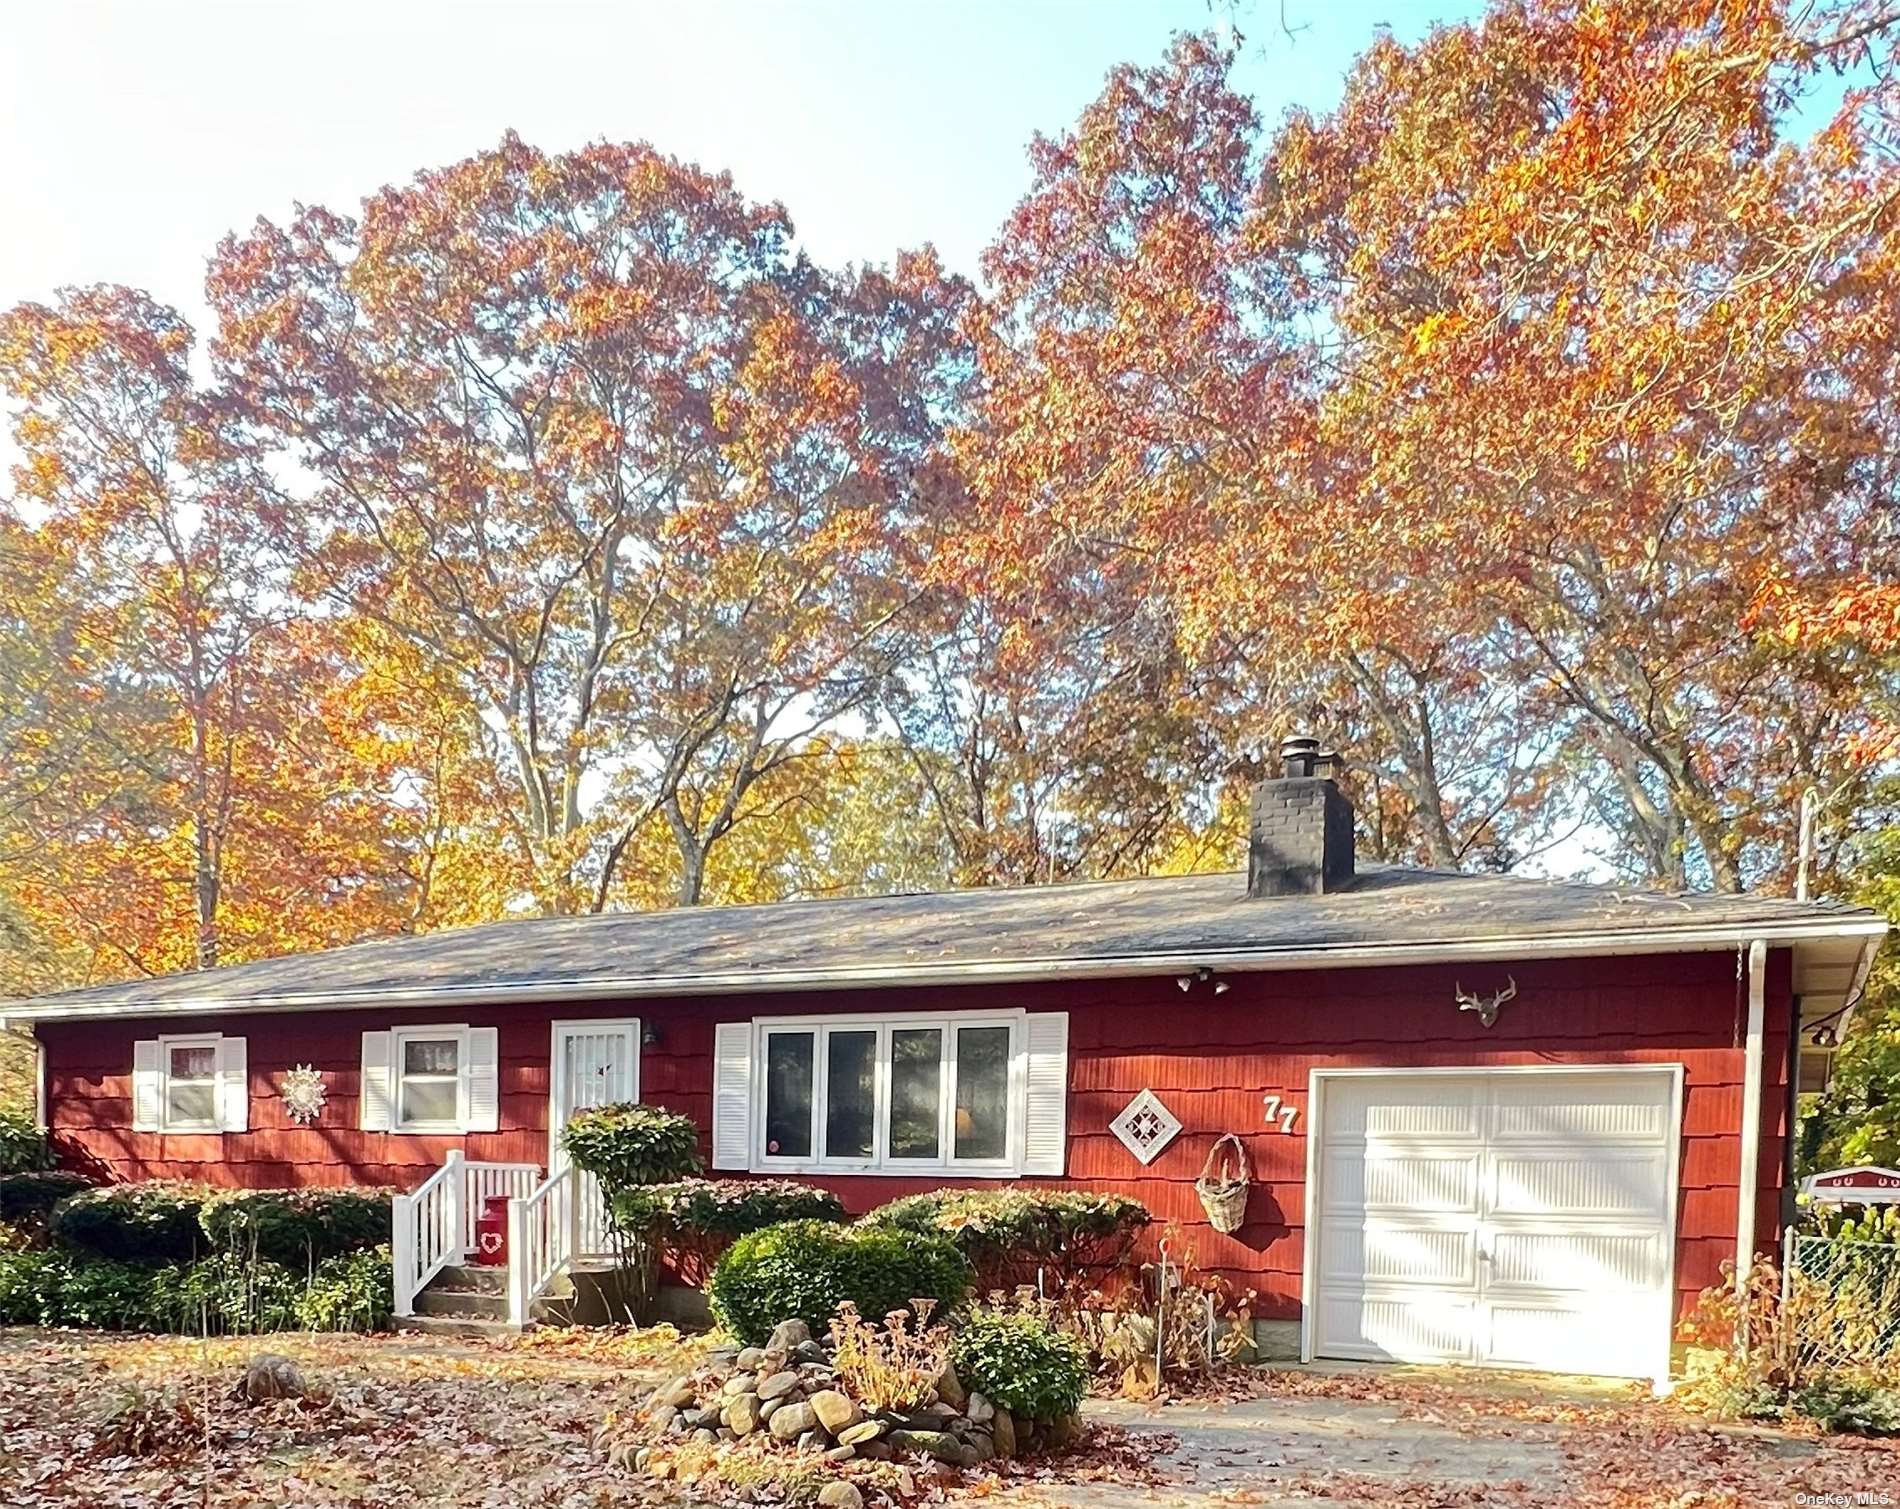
(1301, 843)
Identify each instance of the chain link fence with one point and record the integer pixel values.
(1840, 1308)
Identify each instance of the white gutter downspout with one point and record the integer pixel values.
(1748, 1196)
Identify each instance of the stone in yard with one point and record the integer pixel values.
(739, 1383)
(663, 1416)
(840, 1495)
(858, 1434)
(940, 1411)
(978, 1408)
(271, 1375)
(778, 1385)
(743, 1414)
(677, 1394)
(835, 1411)
(950, 1389)
(841, 1453)
(1003, 1433)
(874, 1451)
(704, 1437)
(792, 1420)
(749, 1359)
(787, 1335)
(931, 1443)
(809, 1351)
(1064, 1431)
(770, 1407)
(811, 1440)
(978, 1446)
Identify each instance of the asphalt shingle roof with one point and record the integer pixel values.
(955, 934)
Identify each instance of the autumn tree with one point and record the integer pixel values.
(583, 429)
(172, 796)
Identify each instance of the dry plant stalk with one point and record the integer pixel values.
(895, 1368)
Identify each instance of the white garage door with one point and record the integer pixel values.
(1516, 1218)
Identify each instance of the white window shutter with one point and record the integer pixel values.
(484, 1080)
(374, 1095)
(147, 1089)
(732, 1095)
(234, 1085)
(1046, 1122)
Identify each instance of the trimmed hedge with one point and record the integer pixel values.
(300, 1227)
(1014, 1360)
(169, 1221)
(628, 1144)
(1074, 1237)
(804, 1270)
(694, 1221)
(153, 1222)
(27, 1199)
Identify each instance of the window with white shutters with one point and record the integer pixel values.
(978, 1093)
(441, 1079)
(190, 1083)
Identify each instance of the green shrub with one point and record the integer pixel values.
(156, 1221)
(626, 1145)
(221, 1294)
(694, 1221)
(300, 1227)
(226, 1293)
(1071, 1236)
(109, 1295)
(349, 1292)
(27, 1199)
(1850, 1405)
(804, 1270)
(1018, 1362)
(23, 1145)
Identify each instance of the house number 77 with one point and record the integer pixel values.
(1285, 1115)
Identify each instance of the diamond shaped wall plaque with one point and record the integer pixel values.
(1145, 1126)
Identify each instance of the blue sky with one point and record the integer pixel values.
(135, 135)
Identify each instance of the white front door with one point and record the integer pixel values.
(1510, 1218)
(592, 1064)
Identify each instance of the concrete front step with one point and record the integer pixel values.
(474, 1276)
(456, 1325)
(471, 1304)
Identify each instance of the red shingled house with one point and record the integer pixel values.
(1491, 1119)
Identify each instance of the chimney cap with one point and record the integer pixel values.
(1299, 755)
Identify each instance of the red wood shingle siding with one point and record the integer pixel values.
(1211, 1059)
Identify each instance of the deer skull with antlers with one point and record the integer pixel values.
(1485, 1006)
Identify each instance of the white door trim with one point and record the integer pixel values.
(557, 1068)
(1317, 1080)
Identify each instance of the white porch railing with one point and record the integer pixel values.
(433, 1226)
(543, 1237)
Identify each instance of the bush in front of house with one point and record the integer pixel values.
(349, 1292)
(27, 1200)
(1008, 1235)
(627, 1144)
(803, 1270)
(222, 1294)
(1015, 1360)
(693, 1222)
(154, 1222)
(299, 1227)
(23, 1145)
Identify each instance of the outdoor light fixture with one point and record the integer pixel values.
(1202, 974)
(650, 1035)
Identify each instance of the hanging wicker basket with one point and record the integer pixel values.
(1223, 1184)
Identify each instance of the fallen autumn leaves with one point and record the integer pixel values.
(414, 1423)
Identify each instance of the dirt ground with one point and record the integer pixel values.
(110, 1422)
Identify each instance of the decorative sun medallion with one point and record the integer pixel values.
(303, 1094)
(1145, 1126)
